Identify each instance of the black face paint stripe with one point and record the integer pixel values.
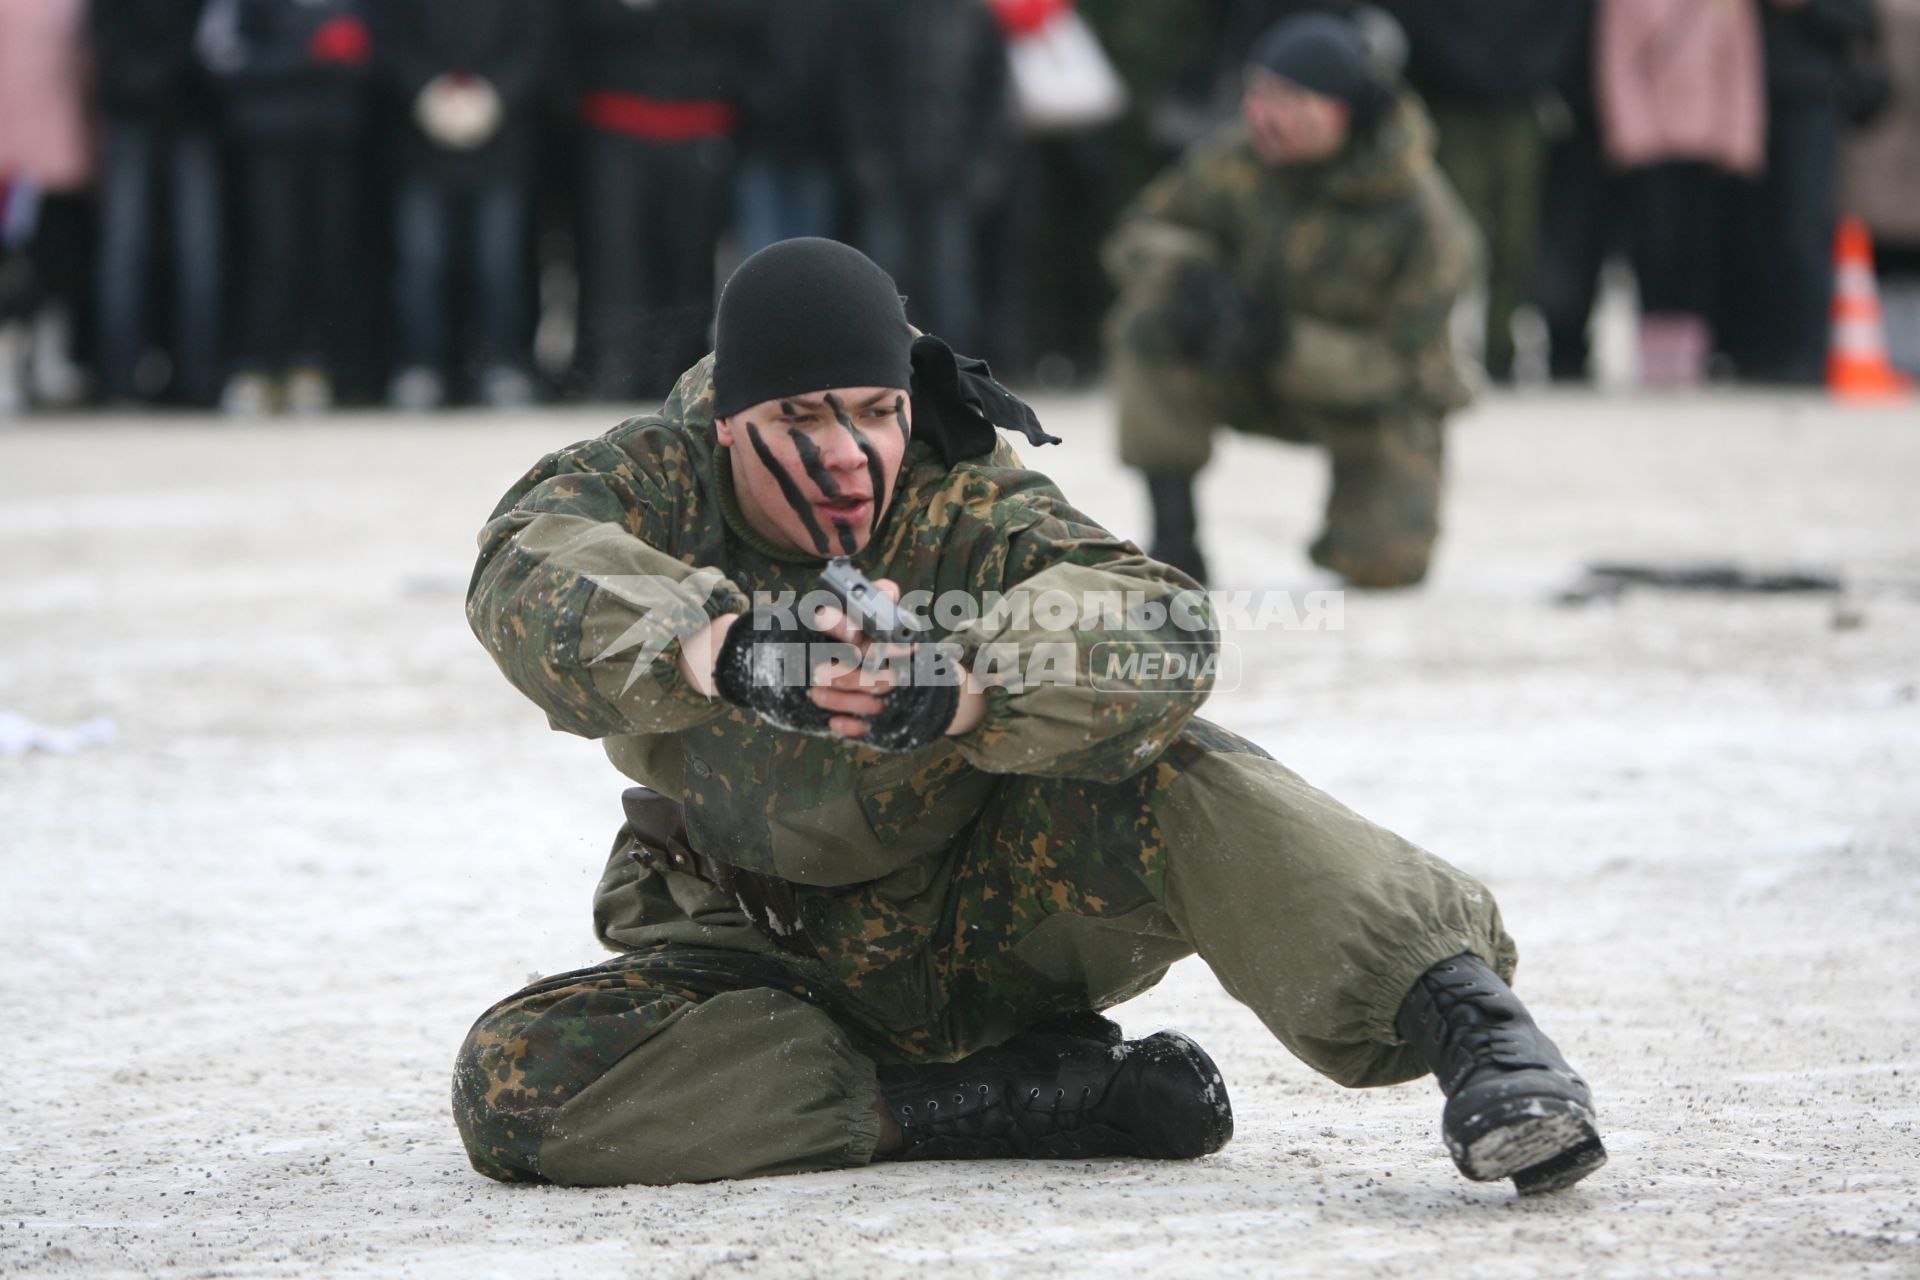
(876, 475)
(845, 530)
(816, 469)
(788, 489)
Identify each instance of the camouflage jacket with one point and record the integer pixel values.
(606, 553)
(1368, 252)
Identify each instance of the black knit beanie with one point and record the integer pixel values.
(1326, 54)
(807, 315)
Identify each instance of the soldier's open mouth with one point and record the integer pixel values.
(844, 506)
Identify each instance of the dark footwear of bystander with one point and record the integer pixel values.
(1176, 523)
(1515, 1109)
(1056, 1094)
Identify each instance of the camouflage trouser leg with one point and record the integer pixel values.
(1169, 408)
(683, 1061)
(676, 1063)
(1383, 507)
(706, 1054)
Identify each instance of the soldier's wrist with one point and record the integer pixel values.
(699, 652)
(970, 713)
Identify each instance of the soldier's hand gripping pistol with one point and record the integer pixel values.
(918, 711)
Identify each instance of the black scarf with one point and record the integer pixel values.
(957, 404)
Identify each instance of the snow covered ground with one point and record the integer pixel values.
(240, 940)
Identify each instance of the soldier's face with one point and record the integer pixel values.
(815, 472)
(1289, 124)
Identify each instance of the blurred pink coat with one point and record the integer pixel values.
(43, 94)
(1681, 80)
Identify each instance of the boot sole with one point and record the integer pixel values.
(1543, 1144)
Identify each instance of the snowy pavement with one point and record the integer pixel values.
(243, 929)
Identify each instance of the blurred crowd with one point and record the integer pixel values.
(288, 204)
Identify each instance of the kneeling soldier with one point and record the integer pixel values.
(863, 916)
(1292, 277)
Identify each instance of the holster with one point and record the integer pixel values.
(660, 832)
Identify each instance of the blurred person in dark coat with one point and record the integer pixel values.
(293, 79)
(1484, 67)
(657, 86)
(927, 121)
(1047, 290)
(788, 179)
(1778, 277)
(1881, 182)
(1581, 212)
(160, 196)
(469, 76)
(1164, 51)
(1043, 288)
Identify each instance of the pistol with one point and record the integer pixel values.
(870, 609)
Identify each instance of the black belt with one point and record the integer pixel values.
(660, 830)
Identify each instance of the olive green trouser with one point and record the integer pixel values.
(1383, 506)
(704, 1052)
(1494, 157)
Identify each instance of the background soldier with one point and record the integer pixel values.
(880, 918)
(1293, 276)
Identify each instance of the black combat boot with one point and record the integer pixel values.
(1176, 535)
(1515, 1109)
(1061, 1091)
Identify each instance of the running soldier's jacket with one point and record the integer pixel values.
(1367, 251)
(607, 552)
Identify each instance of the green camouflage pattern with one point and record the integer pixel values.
(923, 963)
(928, 956)
(946, 898)
(1383, 505)
(532, 1053)
(918, 873)
(1382, 515)
(610, 545)
(1368, 252)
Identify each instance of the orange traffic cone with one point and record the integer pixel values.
(1857, 364)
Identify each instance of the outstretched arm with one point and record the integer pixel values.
(580, 597)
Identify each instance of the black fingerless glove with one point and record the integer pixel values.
(915, 716)
(765, 666)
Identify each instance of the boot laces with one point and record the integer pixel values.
(1042, 1121)
(926, 1121)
